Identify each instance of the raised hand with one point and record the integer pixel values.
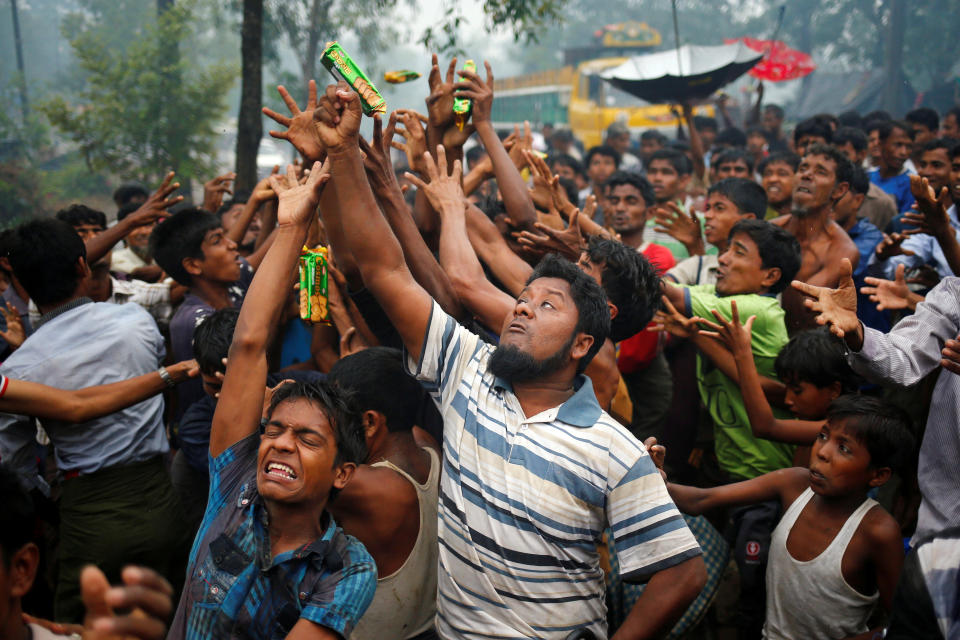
(891, 294)
(214, 189)
(301, 131)
(522, 147)
(682, 225)
(890, 245)
(471, 86)
(155, 207)
(834, 307)
(414, 135)
(376, 158)
(444, 191)
(298, 202)
(736, 336)
(337, 118)
(567, 242)
(673, 322)
(144, 593)
(440, 100)
(931, 216)
(658, 453)
(14, 333)
(951, 356)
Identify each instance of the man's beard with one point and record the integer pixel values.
(513, 365)
(141, 252)
(801, 212)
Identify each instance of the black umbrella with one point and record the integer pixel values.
(690, 73)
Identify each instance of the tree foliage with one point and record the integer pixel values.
(143, 111)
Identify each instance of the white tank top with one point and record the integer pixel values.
(811, 599)
(405, 602)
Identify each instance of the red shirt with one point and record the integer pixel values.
(638, 350)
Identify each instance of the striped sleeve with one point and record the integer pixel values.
(4, 383)
(649, 533)
(446, 354)
(343, 596)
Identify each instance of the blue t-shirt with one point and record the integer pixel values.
(867, 236)
(898, 186)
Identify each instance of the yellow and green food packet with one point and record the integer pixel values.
(463, 106)
(342, 66)
(399, 77)
(314, 285)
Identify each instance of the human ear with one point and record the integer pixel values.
(23, 569)
(83, 269)
(581, 345)
(613, 309)
(836, 389)
(840, 190)
(192, 266)
(880, 476)
(772, 277)
(343, 473)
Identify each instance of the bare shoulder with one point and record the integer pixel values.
(839, 240)
(782, 221)
(880, 529)
(792, 482)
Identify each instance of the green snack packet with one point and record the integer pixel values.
(314, 285)
(463, 106)
(338, 63)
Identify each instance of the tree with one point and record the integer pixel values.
(249, 123)
(142, 113)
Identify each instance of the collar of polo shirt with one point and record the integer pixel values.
(580, 410)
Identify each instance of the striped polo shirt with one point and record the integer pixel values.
(524, 501)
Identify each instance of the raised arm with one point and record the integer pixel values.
(763, 423)
(932, 219)
(153, 209)
(368, 237)
(241, 396)
(514, 190)
(507, 267)
(386, 189)
(696, 142)
(41, 401)
(783, 484)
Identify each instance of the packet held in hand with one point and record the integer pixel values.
(399, 77)
(336, 60)
(314, 285)
(463, 106)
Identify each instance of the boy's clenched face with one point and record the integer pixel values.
(840, 464)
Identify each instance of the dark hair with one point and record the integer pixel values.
(181, 236)
(788, 158)
(338, 406)
(888, 127)
(844, 168)
(78, 214)
(940, 143)
(212, 338)
(44, 258)
(882, 428)
(573, 193)
(16, 517)
(474, 154)
(636, 181)
(813, 127)
(589, 298)
(775, 109)
(877, 116)
(731, 137)
(679, 145)
(630, 282)
(856, 137)
(378, 382)
(859, 181)
(566, 160)
(602, 150)
(732, 155)
(127, 192)
(828, 119)
(747, 195)
(126, 210)
(8, 237)
(758, 131)
(678, 160)
(777, 248)
(815, 356)
(924, 116)
(653, 134)
(702, 123)
(850, 119)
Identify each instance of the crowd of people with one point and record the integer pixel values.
(694, 387)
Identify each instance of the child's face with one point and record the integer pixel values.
(720, 216)
(219, 257)
(840, 464)
(667, 182)
(807, 401)
(741, 268)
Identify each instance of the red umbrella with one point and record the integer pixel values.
(780, 62)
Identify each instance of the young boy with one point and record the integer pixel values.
(835, 552)
(778, 175)
(269, 559)
(896, 145)
(669, 173)
(728, 202)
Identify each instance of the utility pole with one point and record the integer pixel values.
(249, 125)
(893, 56)
(18, 45)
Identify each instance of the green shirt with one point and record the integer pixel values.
(739, 452)
(677, 248)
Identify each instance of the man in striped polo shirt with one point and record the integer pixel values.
(534, 470)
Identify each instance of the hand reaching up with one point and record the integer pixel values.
(736, 336)
(836, 307)
(682, 225)
(214, 189)
(673, 322)
(144, 594)
(298, 202)
(481, 92)
(567, 242)
(14, 333)
(951, 356)
(337, 118)
(890, 245)
(376, 153)
(415, 137)
(301, 132)
(930, 215)
(444, 191)
(891, 294)
(155, 207)
(440, 100)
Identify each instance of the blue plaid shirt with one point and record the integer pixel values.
(235, 588)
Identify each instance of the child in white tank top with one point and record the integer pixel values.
(833, 555)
